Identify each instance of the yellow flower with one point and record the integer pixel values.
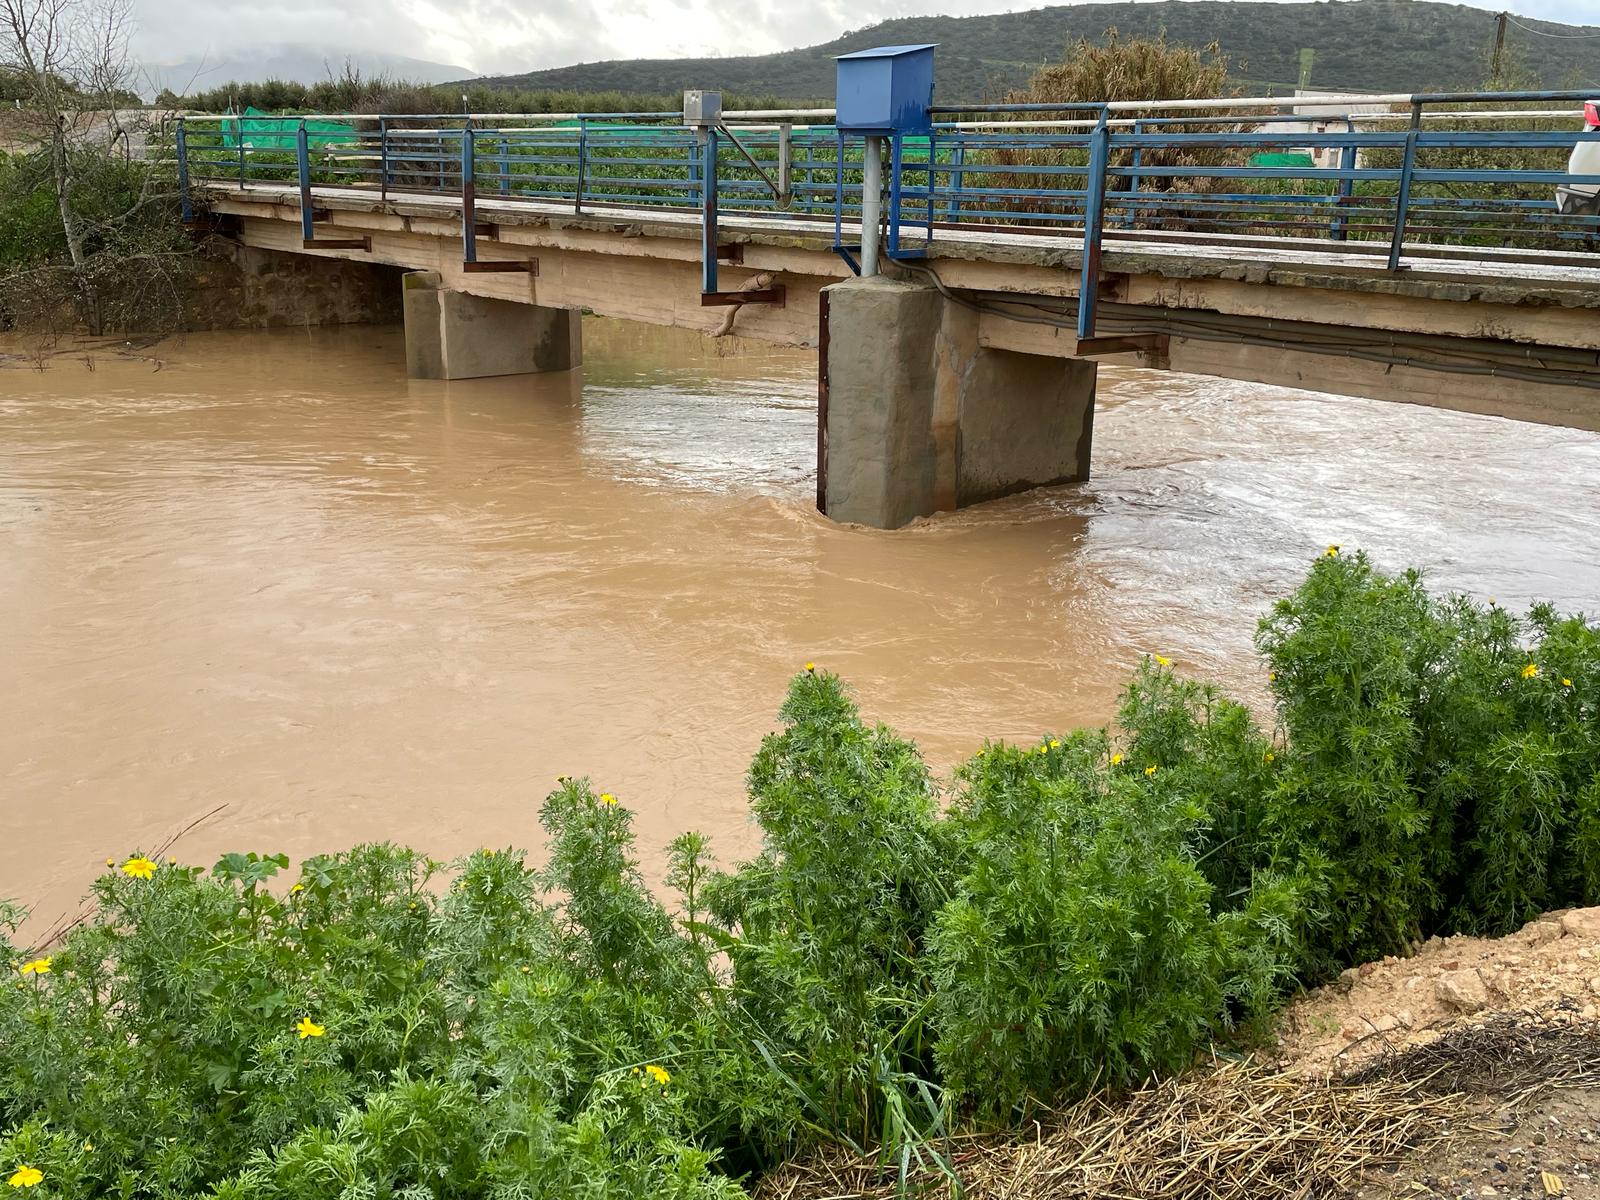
(1271, 757)
(139, 867)
(26, 1177)
(1116, 760)
(39, 966)
(1529, 671)
(607, 799)
(811, 666)
(659, 1074)
(1566, 683)
(1272, 677)
(297, 889)
(1332, 552)
(1054, 745)
(88, 1146)
(1164, 661)
(306, 1027)
(111, 862)
(1150, 770)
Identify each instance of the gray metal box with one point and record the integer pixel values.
(702, 108)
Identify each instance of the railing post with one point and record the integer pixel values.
(469, 194)
(504, 166)
(302, 154)
(1134, 178)
(958, 158)
(583, 163)
(1093, 217)
(238, 131)
(1347, 185)
(383, 158)
(694, 172)
(785, 164)
(181, 145)
(933, 159)
(896, 166)
(708, 212)
(1403, 200)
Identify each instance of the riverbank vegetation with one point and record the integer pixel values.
(89, 232)
(901, 959)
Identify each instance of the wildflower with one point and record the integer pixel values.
(1272, 677)
(1332, 552)
(306, 1027)
(297, 889)
(1150, 770)
(811, 666)
(526, 969)
(111, 862)
(171, 861)
(659, 1074)
(1163, 660)
(39, 966)
(1529, 671)
(139, 867)
(1116, 760)
(1271, 757)
(1054, 745)
(607, 799)
(26, 1177)
(1566, 683)
(88, 1146)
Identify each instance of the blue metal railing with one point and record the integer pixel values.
(1391, 183)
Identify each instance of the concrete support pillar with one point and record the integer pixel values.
(923, 419)
(453, 335)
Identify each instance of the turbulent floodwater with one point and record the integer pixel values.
(268, 571)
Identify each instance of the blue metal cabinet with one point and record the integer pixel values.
(885, 90)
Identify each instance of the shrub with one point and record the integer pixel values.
(1092, 909)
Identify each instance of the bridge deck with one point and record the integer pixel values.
(1514, 276)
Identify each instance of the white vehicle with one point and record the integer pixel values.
(1583, 197)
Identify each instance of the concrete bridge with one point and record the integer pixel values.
(964, 369)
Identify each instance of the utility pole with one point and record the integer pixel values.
(1499, 47)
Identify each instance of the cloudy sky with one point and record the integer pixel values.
(493, 36)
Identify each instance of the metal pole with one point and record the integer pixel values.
(871, 204)
(1403, 200)
(469, 195)
(184, 201)
(1131, 213)
(708, 212)
(1094, 202)
(302, 154)
(785, 163)
(505, 166)
(583, 162)
(1347, 186)
(383, 159)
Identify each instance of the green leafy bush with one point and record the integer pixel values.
(1086, 911)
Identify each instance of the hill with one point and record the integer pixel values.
(1377, 45)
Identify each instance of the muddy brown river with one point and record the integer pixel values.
(266, 571)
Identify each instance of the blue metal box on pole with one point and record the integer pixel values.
(885, 90)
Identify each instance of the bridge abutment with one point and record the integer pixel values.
(921, 418)
(455, 335)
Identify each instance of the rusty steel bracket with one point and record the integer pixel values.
(493, 265)
(361, 243)
(772, 295)
(1127, 343)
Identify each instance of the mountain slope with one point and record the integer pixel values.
(1380, 45)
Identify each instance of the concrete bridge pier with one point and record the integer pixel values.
(454, 335)
(921, 418)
